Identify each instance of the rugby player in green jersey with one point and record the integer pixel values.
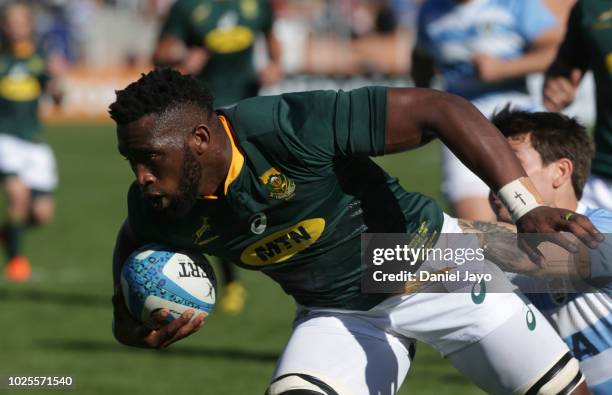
(283, 184)
(588, 46)
(27, 165)
(214, 40)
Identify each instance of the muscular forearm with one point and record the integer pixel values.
(415, 115)
(532, 62)
(274, 48)
(170, 52)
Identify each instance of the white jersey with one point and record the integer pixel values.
(584, 320)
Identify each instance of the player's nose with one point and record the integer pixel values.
(144, 176)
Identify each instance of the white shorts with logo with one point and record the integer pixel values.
(500, 342)
(458, 182)
(33, 163)
(597, 193)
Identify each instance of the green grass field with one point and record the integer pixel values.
(60, 322)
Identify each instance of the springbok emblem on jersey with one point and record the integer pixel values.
(279, 185)
(202, 235)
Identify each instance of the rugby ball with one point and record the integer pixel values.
(156, 277)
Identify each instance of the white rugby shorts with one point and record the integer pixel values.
(33, 163)
(597, 193)
(500, 342)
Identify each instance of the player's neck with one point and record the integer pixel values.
(567, 201)
(21, 48)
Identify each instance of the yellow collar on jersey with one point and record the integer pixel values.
(23, 49)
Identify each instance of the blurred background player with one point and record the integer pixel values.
(215, 41)
(484, 50)
(27, 164)
(556, 152)
(588, 46)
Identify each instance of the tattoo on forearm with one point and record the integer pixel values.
(485, 227)
(500, 245)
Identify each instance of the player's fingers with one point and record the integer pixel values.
(168, 331)
(582, 227)
(553, 96)
(549, 104)
(187, 329)
(562, 241)
(581, 233)
(141, 335)
(558, 91)
(531, 249)
(157, 319)
(566, 89)
(576, 77)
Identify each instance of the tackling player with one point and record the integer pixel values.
(214, 40)
(285, 186)
(556, 153)
(27, 165)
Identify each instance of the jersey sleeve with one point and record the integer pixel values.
(337, 124)
(534, 18)
(41, 68)
(177, 22)
(423, 42)
(574, 51)
(316, 127)
(601, 257)
(268, 17)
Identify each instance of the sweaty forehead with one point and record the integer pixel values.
(144, 133)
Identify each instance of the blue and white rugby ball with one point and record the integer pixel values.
(156, 277)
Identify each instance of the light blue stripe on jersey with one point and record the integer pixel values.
(592, 340)
(592, 345)
(601, 218)
(602, 389)
(601, 258)
(453, 33)
(601, 263)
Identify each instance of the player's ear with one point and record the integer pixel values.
(200, 138)
(562, 172)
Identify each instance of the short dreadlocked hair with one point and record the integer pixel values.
(156, 92)
(554, 136)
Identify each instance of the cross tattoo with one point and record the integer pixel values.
(520, 196)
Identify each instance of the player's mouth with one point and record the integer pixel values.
(158, 202)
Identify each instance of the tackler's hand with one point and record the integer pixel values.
(547, 223)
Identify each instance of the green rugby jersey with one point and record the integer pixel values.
(22, 79)
(227, 29)
(588, 45)
(300, 195)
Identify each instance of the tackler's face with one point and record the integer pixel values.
(165, 168)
